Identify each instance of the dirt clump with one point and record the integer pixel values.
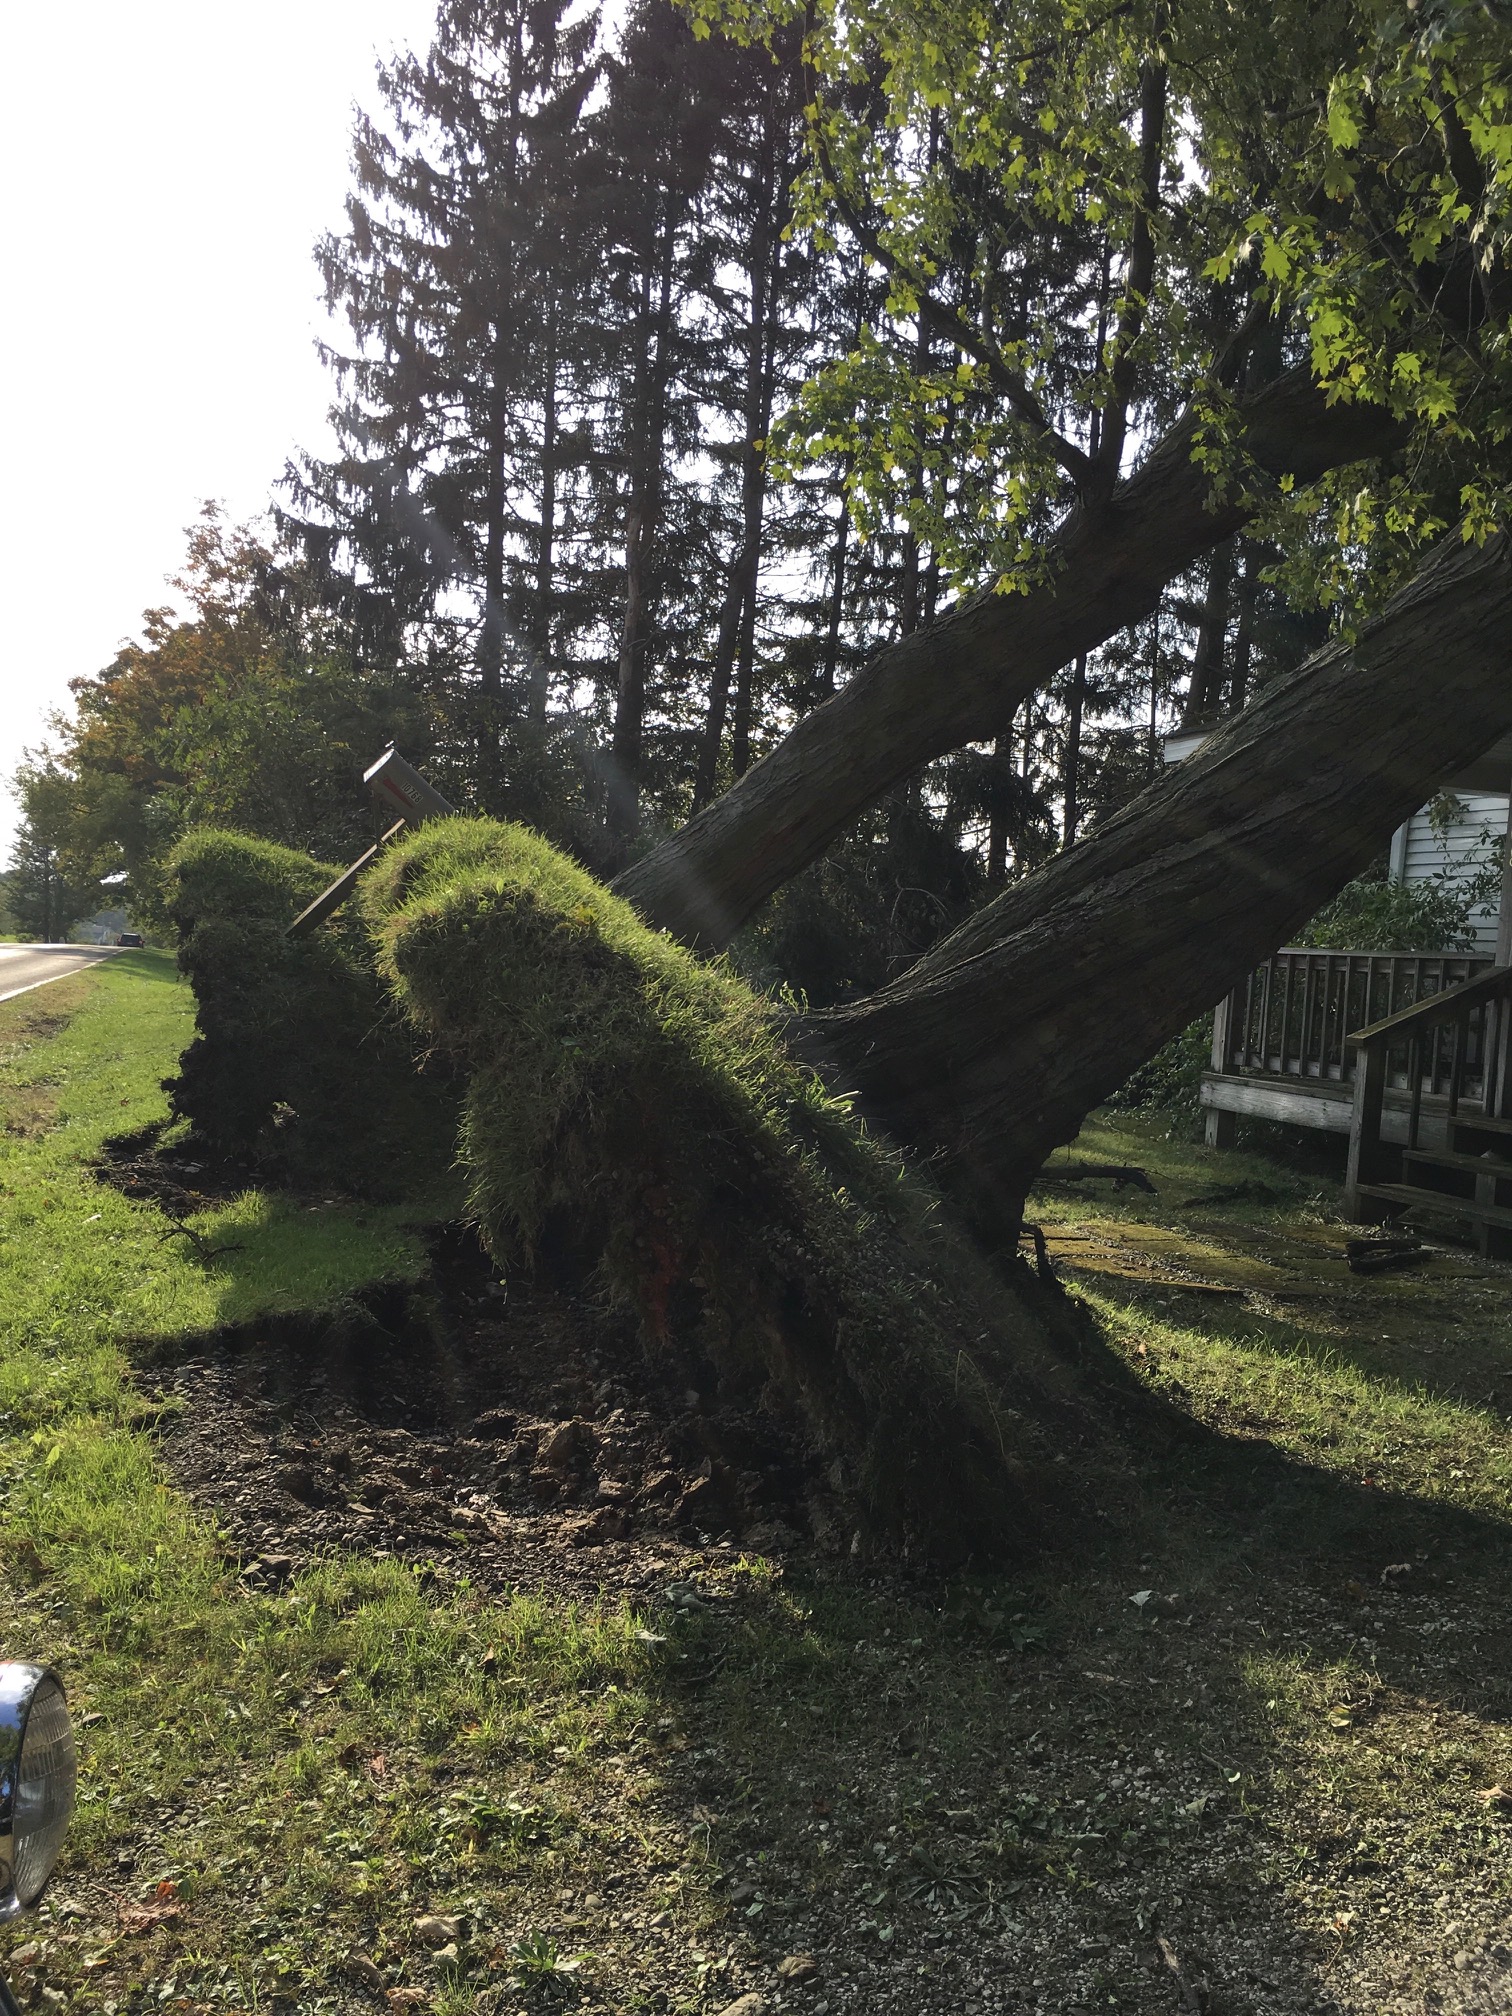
(526, 1442)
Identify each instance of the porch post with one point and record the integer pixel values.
(1499, 1067)
(1365, 1132)
(1220, 1129)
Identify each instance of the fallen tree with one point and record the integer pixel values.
(635, 1114)
(961, 678)
(993, 1047)
(644, 1118)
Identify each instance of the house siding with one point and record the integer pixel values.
(1420, 855)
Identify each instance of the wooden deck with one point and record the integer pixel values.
(1407, 1055)
(1281, 1046)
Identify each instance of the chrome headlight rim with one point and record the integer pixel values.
(21, 1684)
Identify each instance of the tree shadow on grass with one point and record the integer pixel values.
(1253, 1725)
(1221, 1747)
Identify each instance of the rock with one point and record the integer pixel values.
(566, 1445)
(299, 1481)
(437, 1929)
(771, 1536)
(609, 1524)
(745, 2005)
(498, 1424)
(798, 1967)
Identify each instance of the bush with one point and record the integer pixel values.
(637, 1110)
(1172, 1080)
(299, 1067)
(1375, 916)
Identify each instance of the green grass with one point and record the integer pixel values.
(1278, 1760)
(229, 1781)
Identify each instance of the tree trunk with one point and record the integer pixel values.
(997, 1043)
(1071, 771)
(1244, 629)
(1205, 694)
(763, 266)
(641, 521)
(766, 391)
(829, 661)
(960, 678)
(491, 643)
(540, 671)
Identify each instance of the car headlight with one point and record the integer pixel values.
(37, 1778)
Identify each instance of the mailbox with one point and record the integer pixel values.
(403, 792)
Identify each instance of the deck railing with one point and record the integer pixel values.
(1457, 1047)
(1293, 1017)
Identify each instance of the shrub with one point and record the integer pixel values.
(299, 1066)
(638, 1109)
(1172, 1080)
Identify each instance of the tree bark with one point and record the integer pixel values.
(995, 1045)
(961, 678)
(1205, 694)
(642, 522)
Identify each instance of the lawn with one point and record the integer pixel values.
(1245, 1738)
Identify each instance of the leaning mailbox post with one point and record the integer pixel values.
(400, 788)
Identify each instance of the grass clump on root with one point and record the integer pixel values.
(638, 1110)
(299, 1067)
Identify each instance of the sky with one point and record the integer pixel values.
(168, 168)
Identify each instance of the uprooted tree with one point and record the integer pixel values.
(993, 1047)
(1266, 270)
(645, 1116)
(1267, 245)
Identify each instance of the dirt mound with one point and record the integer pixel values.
(518, 1435)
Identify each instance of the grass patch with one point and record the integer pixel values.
(273, 1785)
(1282, 1759)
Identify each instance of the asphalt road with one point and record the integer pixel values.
(24, 966)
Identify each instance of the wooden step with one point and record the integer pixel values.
(1481, 1123)
(1456, 1159)
(1407, 1196)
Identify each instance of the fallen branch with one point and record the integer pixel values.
(1378, 1256)
(1191, 1996)
(206, 1252)
(1116, 1172)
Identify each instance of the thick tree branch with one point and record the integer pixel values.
(993, 1047)
(961, 678)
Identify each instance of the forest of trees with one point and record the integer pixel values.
(1034, 381)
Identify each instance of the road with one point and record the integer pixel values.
(26, 966)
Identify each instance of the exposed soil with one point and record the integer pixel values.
(517, 1435)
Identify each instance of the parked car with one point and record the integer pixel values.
(37, 1775)
(130, 938)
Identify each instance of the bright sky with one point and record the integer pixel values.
(168, 167)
